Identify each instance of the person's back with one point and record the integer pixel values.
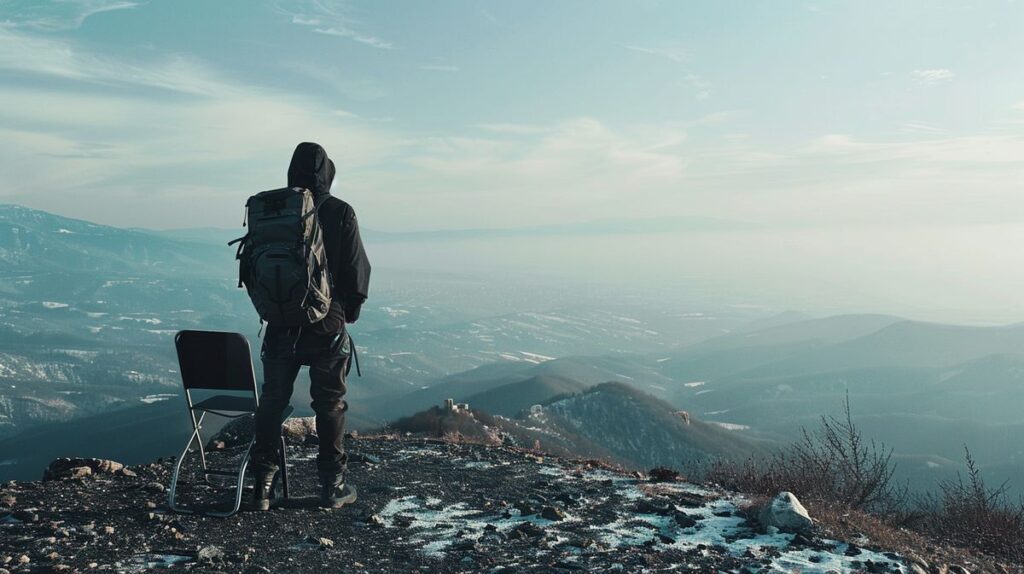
(324, 346)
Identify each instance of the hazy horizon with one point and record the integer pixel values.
(752, 268)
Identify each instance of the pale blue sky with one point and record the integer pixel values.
(890, 133)
(516, 113)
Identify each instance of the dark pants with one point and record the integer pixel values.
(284, 353)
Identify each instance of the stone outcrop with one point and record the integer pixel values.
(785, 513)
(239, 432)
(64, 468)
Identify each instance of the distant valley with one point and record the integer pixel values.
(87, 315)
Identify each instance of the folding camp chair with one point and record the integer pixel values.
(218, 361)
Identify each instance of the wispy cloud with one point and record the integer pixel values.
(356, 88)
(53, 16)
(702, 86)
(932, 76)
(487, 15)
(925, 128)
(46, 56)
(669, 51)
(440, 68)
(717, 118)
(581, 164)
(675, 52)
(330, 17)
(194, 138)
(1019, 106)
(344, 32)
(513, 129)
(973, 150)
(589, 168)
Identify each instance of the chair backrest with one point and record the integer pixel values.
(215, 360)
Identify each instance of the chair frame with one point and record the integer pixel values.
(209, 406)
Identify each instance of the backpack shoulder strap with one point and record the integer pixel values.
(316, 206)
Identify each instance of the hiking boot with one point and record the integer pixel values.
(334, 492)
(264, 482)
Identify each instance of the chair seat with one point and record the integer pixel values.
(227, 403)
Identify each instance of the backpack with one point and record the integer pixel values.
(282, 261)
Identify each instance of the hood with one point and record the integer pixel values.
(311, 169)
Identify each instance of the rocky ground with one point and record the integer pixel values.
(424, 506)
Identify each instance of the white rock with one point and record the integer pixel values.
(786, 513)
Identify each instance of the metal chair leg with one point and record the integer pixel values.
(174, 477)
(239, 487)
(239, 484)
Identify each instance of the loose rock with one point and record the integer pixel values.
(209, 554)
(786, 513)
(552, 513)
(63, 468)
(155, 487)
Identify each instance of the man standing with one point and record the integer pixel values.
(324, 346)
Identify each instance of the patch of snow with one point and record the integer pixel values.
(393, 312)
(718, 523)
(730, 426)
(147, 320)
(478, 464)
(432, 528)
(150, 399)
(535, 357)
(144, 562)
(629, 320)
(551, 471)
(435, 528)
(77, 353)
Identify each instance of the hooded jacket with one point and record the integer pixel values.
(311, 169)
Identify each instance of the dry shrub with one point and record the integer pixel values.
(969, 512)
(832, 465)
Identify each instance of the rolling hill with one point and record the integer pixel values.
(609, 421)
